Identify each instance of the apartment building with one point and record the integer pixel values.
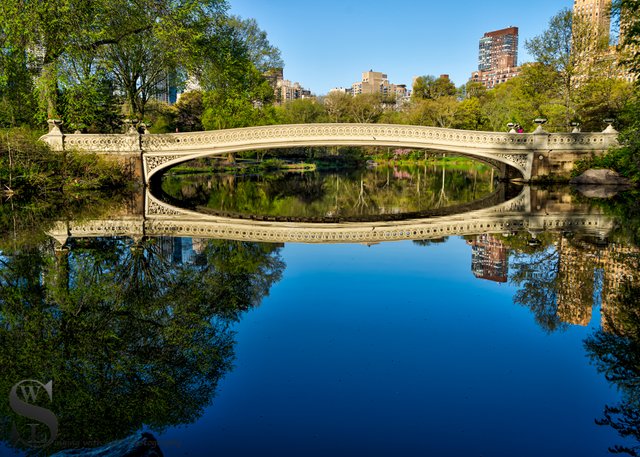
(497, 57)
(374, 82)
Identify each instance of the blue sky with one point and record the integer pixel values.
(329, 43)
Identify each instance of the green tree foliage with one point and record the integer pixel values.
(553, 49)
(260, 52)
(430, 87)
(469, 115)
(17, 98)
(365, 108)
(236, 93)
(599, 99)
(302, 111)
(57, 35)
(520, 100)
(535, 272)
(337, 105)
(90, 106)
(190, 108)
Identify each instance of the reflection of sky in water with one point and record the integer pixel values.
(397, 349)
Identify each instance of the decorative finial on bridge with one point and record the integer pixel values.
(131, 126)
(609, 128)
(54, 126)
(576, 127)
(540, 121)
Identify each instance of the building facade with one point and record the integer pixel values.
(287, 91)
(593, 46)
(283, 89)
(497, 57)
(374, 82)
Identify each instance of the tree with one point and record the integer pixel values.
(430, 87)
(553, 49)
(50, 32)
(468, 115)
(260, 52)
(599, 99)
(337, 105)
(615, 351)
(474, 89)
(236, 93)
(190, 108)
(302, 111)
(366, 108)
(90, 105)
(141, 70)
(537, 276)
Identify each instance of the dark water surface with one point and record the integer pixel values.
(515, 342)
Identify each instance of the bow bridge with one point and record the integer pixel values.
(532, 210)
(532, 155)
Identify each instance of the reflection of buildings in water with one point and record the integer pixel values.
(576, 269)
(620, 266)
(489, 258)
(178, 250)
(579, 265)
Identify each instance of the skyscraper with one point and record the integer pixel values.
(497, 57)
(595, 13)
(498, 49)
(593, 46)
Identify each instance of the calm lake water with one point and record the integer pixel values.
(494, 343)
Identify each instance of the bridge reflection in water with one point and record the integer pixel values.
(532, 209)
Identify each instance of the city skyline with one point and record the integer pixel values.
(326, 45)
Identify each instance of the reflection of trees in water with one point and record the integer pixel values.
(379, 191)
(306, 187)
(534, 269)
(129, 338)
(537, 277)
(614, 348)
(615, 351)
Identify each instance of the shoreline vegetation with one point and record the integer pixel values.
(40, 186)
